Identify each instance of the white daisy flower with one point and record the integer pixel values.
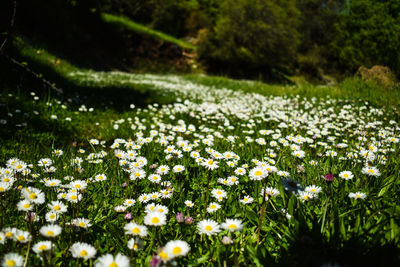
(109, 260)
(208, 227)
(12, 260)
(42, 247)
(155, 218)
(135, 229)
(51, 230)
(176, 248)
(232, 225)
(82, 250)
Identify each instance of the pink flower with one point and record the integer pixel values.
(328, 177)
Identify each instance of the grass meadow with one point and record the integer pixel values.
(196, 170)
(129, 169)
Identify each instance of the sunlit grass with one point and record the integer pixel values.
(141, 29)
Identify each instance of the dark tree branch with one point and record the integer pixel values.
(14, 61)
(58, 90)
(11, 24)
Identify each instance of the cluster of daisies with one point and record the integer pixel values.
(239, 150)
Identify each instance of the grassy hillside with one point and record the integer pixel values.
(352, 88)
(141, 29)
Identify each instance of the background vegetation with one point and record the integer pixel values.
(263, 39)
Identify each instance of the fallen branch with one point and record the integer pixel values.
(27, 69)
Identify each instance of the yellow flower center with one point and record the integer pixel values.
(176, 250)
(42, 247)
(113, 264)
(232, 226)
(50, 233)
(11, 263)
(19, 167)
(77, 186)
(33, 196)
(246, 199)
(208, 228)
(57, 207)
(136, 230)
(306, 197)
(21, 238)
(52, 216)
(135, 246)
(74, 197)
(213, 206)
(370, 171)
(27, 206)
(345, 175)
(9, 235)
(1, 189)
(53, 184)
(258, 173)
(163, 255)
(6, 180)
(155, 220)
(84, 253)
(82, 224)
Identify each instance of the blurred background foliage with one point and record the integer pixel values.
(270, 40)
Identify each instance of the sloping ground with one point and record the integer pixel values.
(354, 89)
(233, 177)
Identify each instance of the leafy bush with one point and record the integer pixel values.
(252, 38)
(368, 33)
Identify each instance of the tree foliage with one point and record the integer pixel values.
(252, 38)
(368, 33)
(241, 38)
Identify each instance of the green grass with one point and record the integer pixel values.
(141, 29)
(351, 88)
(322, 230)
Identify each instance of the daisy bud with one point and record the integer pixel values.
(31, 217)
(155, 261)
(226, 240)
(124, 185)
(153, 166)
(179, 217)
(328, 177)
(128, 216)
(189, 220)
(300, 169)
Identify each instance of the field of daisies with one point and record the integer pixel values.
(216, 177)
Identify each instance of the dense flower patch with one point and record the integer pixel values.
(220, 176)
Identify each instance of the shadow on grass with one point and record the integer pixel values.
(24, 133)
(115, 97)
(309, 251)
